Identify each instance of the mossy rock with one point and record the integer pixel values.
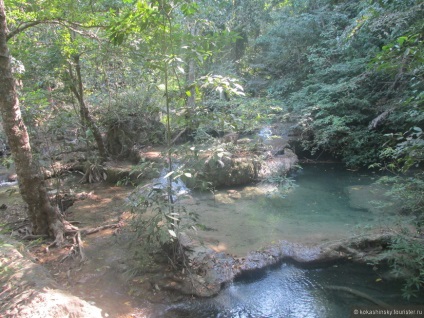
(225, 172)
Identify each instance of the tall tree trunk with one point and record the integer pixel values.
(44, 218)
(191, 78)
(86, 119)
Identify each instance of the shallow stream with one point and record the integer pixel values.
(326, 203)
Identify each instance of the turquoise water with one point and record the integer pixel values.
(321, 196)
(327, 202)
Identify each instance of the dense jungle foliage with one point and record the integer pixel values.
(349, 76)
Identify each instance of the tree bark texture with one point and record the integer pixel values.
(44, 218)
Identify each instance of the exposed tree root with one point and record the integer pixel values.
(77, 248)
(74, 222)
(63, 231)
(93, 173)
(69, 227)
(359, 294)
(80, 246)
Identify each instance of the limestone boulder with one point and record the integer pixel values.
(225, 171)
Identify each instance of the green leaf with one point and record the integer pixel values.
(189, 9)
(401, 40)
(173, 218)
(180, 69)
(161, 87)
(168, 174)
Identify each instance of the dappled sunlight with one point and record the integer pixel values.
(221, 247)
(224, 198)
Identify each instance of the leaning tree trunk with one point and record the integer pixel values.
(44, 218)
(78, 90)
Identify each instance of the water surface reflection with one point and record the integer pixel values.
(292, 291)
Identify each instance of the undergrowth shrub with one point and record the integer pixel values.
(159, 220)
(406, 257)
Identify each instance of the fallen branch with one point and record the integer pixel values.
(379, 119)
(33, 237)
(178, 136)
(6, 288)
(100, 228)
(359, 294)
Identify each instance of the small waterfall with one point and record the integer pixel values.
(265, 133)
(178, 186)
